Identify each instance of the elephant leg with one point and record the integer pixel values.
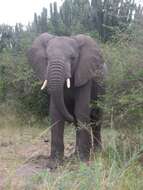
(83, 135)
(57, 143)
(84, 143)
(77, 140)
(96, 116)
(57, 133)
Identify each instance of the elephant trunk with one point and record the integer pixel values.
(56, 80)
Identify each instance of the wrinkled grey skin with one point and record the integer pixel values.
(78, 57)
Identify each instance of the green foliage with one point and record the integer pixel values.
(123, 54)
(124, 94)
(18, 84)
(82, 16)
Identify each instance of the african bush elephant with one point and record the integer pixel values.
(72, 69)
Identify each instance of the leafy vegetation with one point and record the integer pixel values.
(124, 97)
(122, 30)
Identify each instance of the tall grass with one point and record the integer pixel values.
(119, 167)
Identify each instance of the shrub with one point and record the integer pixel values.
(124, 93)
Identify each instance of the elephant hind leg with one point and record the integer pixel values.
(96, 118)
(96, 131)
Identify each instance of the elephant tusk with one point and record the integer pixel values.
(44, 85)
(68, 83)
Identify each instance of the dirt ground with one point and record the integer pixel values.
(23, 152)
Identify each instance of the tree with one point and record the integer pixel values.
(66, 15)
(75, 15)
(110, 15)
(56, 22)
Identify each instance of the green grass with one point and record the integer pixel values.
(118, 167)
(104, 173)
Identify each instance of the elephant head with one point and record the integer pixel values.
(58, 59)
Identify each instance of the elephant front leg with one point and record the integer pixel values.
(83, 145)
(57, 134)
(82, 110)
(57, 143)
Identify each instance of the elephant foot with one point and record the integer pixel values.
(97, 148)
(77, 155)
(72, 157)
(53, 164)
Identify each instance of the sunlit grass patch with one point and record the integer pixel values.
(94, 177)
(119, 165)
(114, 168)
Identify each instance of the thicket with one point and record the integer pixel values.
(117, 26)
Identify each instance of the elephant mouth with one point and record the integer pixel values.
(45, 84)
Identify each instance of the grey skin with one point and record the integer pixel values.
(79, 58)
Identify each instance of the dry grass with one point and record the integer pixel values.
(119, 166)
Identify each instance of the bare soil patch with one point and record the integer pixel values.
(24, 153)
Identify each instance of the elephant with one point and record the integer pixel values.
(72, 69)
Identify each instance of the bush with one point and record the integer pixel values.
(18, 84)
(124, 94)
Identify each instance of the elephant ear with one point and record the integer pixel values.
(90, 61)
(37, 56)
